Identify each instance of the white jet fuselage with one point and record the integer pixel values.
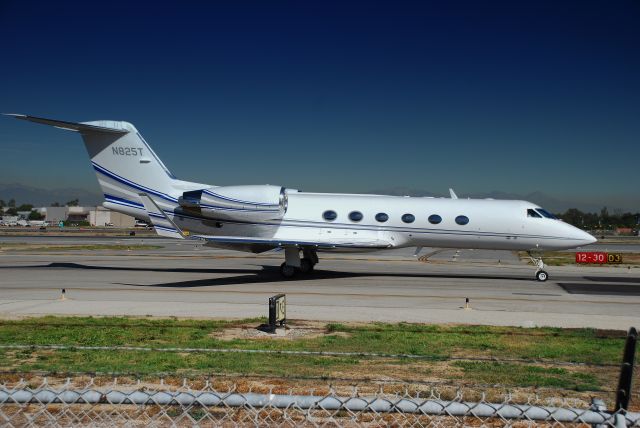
(493, 224)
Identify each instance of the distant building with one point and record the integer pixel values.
(78, 213)
(101, 216)
(95, 216)
(54, 215)
(9, 219)
(624, 231)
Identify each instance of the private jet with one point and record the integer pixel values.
(259, 218)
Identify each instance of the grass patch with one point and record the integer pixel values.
(548, 346)
(185, 364)
(528, 375)
(438, 342)
(575, 345)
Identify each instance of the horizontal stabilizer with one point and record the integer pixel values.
(71, 126)
(163, 225)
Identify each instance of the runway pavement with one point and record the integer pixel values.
(183, 279)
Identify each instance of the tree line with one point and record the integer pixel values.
(602, 220)
(10, 208)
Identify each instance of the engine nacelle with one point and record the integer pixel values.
(250, 202)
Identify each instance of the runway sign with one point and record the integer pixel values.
(277, 310)
(597, 257)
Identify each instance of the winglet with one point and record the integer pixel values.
(453, 194)
(163, 225)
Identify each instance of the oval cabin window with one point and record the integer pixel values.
(329, 215)
(355, 216)
(382, 217)
(462, 220)
(408, 218)
(435, 219)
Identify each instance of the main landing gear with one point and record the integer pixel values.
(287, 271)
(541, 274)
(294, 264)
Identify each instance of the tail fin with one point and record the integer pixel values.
(123, 161)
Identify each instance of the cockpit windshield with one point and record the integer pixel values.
(532, 213)
(546, 213)
(540, 213)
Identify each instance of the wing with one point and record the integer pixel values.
(281, 243)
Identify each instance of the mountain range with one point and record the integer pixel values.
(45, 197)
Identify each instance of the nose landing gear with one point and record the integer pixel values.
(541, 274)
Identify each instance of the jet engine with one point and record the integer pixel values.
(248, 203)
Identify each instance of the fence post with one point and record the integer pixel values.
(623, 393)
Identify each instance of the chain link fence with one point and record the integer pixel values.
(107, 401)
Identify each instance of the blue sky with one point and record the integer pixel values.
(335, 96)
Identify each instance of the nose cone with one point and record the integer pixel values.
(582, 236)
(590, 239)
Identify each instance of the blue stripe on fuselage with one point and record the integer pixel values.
(226, 198)
(111, 198)
(129, 183)
(311, 224)
(164, 196)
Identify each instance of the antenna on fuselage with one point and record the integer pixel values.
(453, 194)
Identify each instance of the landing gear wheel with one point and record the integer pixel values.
(306, 265)
(287, 271)
(542, 275)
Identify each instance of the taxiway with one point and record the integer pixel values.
(184, 279)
